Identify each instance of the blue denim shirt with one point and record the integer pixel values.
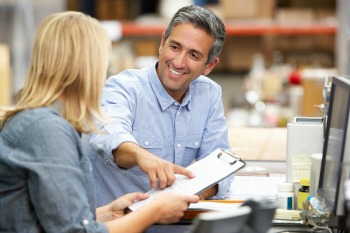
(45, 178)
(141, 111)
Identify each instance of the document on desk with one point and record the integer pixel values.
(208, 171)
(255, 187)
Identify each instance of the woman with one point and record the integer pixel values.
(45, 177)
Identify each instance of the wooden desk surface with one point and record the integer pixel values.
(185, 229)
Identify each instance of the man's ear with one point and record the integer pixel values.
(210, 66)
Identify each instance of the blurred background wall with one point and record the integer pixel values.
(277, 58)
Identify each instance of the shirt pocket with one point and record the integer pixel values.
(148, 141)
(151, 143)
(193, 142)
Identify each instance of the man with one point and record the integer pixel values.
(164, 117)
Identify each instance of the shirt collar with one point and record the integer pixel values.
(165, 100)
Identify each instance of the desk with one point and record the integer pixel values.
(254, 169)
(270, 166)
(185, 229)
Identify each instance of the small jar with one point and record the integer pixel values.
(285, 196)
(303, 192)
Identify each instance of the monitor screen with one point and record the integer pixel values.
(332, 174)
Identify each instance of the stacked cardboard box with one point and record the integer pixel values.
(117, 9)
(5, 68)
(245, 9)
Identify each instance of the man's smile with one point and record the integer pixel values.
(174, 72)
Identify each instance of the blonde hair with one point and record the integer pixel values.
(69, 63)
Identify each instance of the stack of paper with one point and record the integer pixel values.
(255, 187)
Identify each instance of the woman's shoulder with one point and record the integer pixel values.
(43, 114)
(33, 121)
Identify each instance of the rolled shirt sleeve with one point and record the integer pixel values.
(117, 103)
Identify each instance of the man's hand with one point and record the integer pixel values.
(160, 172)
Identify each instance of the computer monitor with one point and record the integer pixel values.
(336, 148)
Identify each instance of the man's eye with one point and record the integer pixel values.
(173, 47)
(194, 56)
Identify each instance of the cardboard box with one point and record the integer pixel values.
(239, 51)
(5, 72)
(324, 15)
(294, 15)
(313, 81)
(313, 87)
(238, 8)
(73, 5)
(295, 42)
(325, 42)
(247, 8)
(146, 47)
(111, 9)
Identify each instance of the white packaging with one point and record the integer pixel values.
(304, 138)
(285, 196)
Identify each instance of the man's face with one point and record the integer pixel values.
(183, 57)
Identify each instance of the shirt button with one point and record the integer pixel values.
(146, 143)
(196, 143)
(85, 222)
(178, 145)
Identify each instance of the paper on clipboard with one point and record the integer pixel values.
(209, 171)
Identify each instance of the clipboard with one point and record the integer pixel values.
(209, 171)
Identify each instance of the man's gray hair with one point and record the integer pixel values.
(204, 19)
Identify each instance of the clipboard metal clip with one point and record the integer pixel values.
(230, 158)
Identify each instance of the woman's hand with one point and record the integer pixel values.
(170, 207)
(116, 208)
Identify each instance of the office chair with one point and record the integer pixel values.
(230, 221)
(260, 219)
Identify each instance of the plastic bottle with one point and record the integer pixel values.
(316, 204)
(285, 196)
(303, 192)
